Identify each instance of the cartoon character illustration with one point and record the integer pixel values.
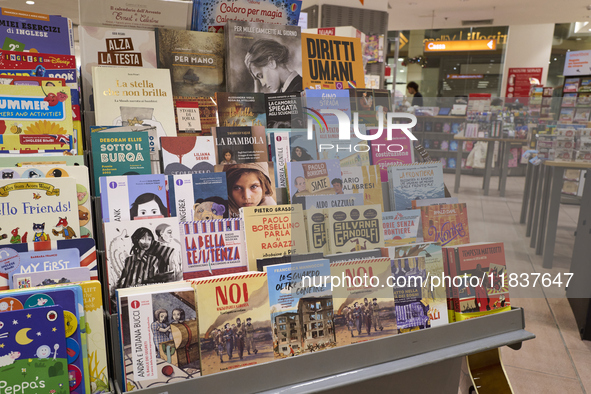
(15, 239)
(208, 210)
(41, 301)
(33, 174)
(81, 195)
(39, 233)
(43, 351)
(7, 174)
(16, 128)
(67, 232)
(36, 196)
(9, 358)
(82, 215)
(3, 236)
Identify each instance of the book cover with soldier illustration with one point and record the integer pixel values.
(159, 337)
(234, 326)
(352, 229)
(363, 310)
(410, 299)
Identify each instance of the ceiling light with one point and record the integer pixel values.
(400, 59)
(30, 2)
(401, 71)
(554, 59)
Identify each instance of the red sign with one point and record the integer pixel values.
(520, 80)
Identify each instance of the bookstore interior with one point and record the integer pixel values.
(285, 196)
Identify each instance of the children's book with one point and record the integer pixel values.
(39, 209)
(195, 197)
(164, 324)
(364, 180)
(188, 154)
(289, 146)
(301, 308)
(133, 197)
(411, 306)
(45, 278)
(571, 85)
(285, 111)
(402, 227)
(46, 64)
(47, 260)
(237, 145)
(262, 263)
(447, 224)
(241, 109)
(355, 228)
(33, 160)
(414, 182)
(316, 177)
(234, 325)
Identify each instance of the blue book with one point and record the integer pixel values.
(195, 197)
(289, 146)
(45, 260)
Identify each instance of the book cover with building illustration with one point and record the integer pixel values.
(212, 247)
(289, 146)
(159, 337)
(364, 180)
(241, 109)
(301, 309)
(446, 223)
(402, 227)
(285, 111)
(363, 311)
(195, 197)
(187, 154)
(263, 57)
(237, 145)
(353, 229)
(315, 177)
(39, 209)
(415, 181)
(235, 329)
(112, 47)
(126, 96)
(273, 231)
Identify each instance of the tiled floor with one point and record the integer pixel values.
(557, 361)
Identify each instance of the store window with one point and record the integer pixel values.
(567, 37)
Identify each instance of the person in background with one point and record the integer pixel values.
(417, 98)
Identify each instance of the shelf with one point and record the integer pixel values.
(343, 366)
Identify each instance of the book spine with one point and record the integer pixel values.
(448, 291)
(454, 269)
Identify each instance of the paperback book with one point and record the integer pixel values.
(355, 228)
(241, 109)
(285, 111)
(402, 227)
(329, 201)
(389, 152)
(412, 309)
(364, 180)
(289, 146)
(187, 154)
(447, 224)
(195, 197)
(315, 177)
(46, 278)
(262, 263)
(414, 182)
(237, 145)
(316, 222)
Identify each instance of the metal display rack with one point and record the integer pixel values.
(404, 359)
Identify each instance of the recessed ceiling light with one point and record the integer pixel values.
(30, 2)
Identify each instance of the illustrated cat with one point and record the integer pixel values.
(66, 231)
(39, 233)
(7, 175)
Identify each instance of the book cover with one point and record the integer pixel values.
(37, 335)
(361, 254)
(45, 278)
(301, 308)
(112, 47)
(249, 185)
(35, 64)
(212, 15)
(316, 221)
(208, 114)
(364, 180)
(237, 145)
(329, 201)
(46, 260)
(582, 115)
(159, 337)
(402, 227)
(119, 153)
(414, 182)
(187, 116)
(273, 231)
(195, 197)
(315, 177)
(212, 247)
(285, 111)
(39, 209)
(134, 97)
(187, 154)
(569, 100)
(133, 197)
(289, 146)
(142, 252)
(195, 60)
(585, 86)
(363, 311)
(355, 228)
(263, 57)
(332, 62)
(388, 152)
(447, 224)
(262, 263)
(433, 201)
(34, 32)
(241, 109)
(571, 85)
(34, 160)
(234, 326)
(434, 292)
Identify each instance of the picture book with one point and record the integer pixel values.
(235, 329)
(34, 160)
(36, 64)
(289, 146)
(285, 111)
(402, 227)
(187, 154)
(301, 308)
(251, 185)
(329, 201)
(490, 292)
(362, 311)
(571, 85)
(141, 252)
(414, 182)
(364, 180)
(38, 335)
(39, 209)
(45, 278)
(211, 15)
(45, 260)
(355, 228)
(31, 81)
(34, 32)
(212, 247)
(273, 231)
(316, 221)
(249, 45)
(133, 197)
(388, 152)
(134, 97)
(434, 294)
(447, 224)
(262, 263)
(79, 173)
(159, 337)
(241, 109)
(433, 201)
(112, 47)
(195, 60)
(330, 62)
(119, 153)
(195, 197)
(237, 145)
(315, 177)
